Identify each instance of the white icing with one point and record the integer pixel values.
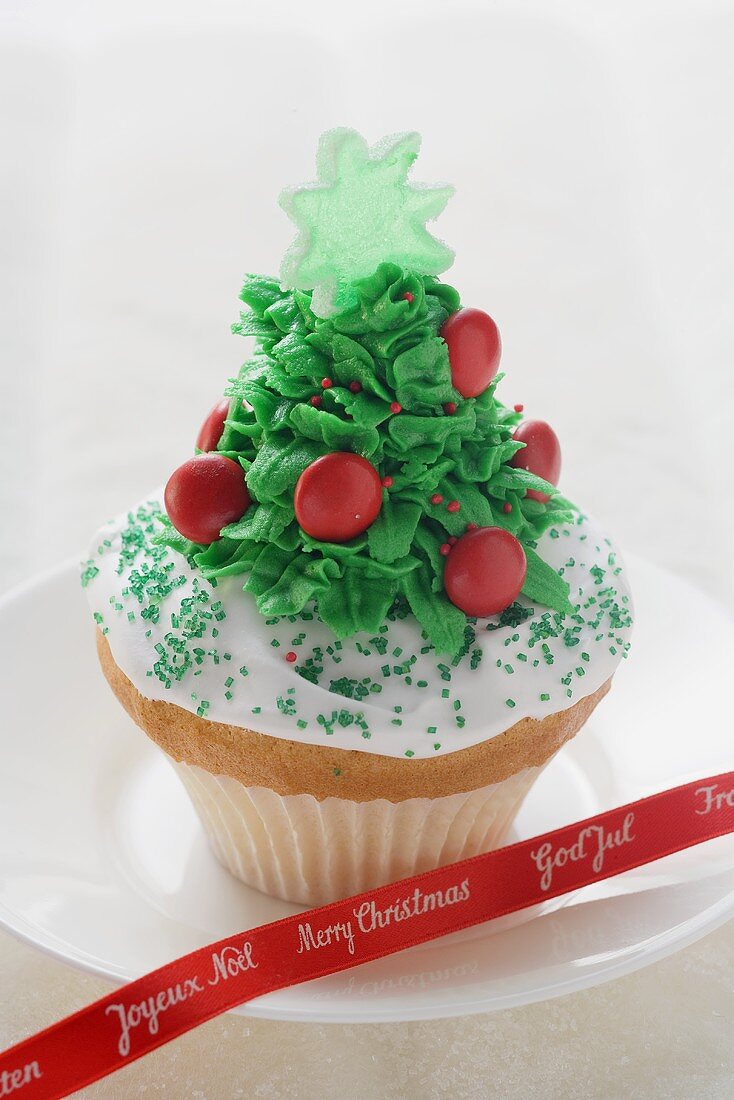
(244, 634)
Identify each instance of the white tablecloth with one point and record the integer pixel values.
(143, 149)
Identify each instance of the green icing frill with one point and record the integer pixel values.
(391, 346)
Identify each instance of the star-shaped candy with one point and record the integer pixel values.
(361, 212)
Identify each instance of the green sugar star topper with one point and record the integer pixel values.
(361, 212)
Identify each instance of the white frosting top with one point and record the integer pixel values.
(206, 647)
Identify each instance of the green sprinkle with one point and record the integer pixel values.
(89, 572)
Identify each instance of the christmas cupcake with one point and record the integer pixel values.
(361, 618)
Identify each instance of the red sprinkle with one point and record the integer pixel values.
(453, 540)
(450, 408)
(444, 549)
(471, 526)
(316, 401)
(386, 482)
(507, 507)
(453, 506)
(326, 383)
(291, 657)
(355, 387)
(408, 297)
(436, 499)
(396, 407)
(519, 408)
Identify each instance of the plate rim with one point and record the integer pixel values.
(697, 928)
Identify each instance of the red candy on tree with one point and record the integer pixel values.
(211, 430)
(541, 454)
(474, 350)
(204, 495)
(485, 571)
(337, 497)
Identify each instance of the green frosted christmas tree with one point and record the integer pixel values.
(381, 474)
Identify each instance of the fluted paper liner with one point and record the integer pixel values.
(303, 850)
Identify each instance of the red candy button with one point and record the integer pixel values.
(204, 495)
(485, 571)
(337, 497)
(474, 350)
(211, 430)
(541, 454)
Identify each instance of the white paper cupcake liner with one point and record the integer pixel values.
(312, 852)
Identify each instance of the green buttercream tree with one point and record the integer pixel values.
(348, 357)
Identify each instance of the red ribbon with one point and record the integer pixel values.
(145, 1014)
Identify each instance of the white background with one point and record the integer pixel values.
(142, 150)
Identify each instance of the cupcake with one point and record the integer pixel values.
(360, 619)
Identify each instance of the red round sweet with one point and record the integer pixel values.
(211, 430)
(474, 350)
(485, 571)
(541, 454)
(337, 497)
(205, 494)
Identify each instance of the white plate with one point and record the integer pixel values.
(103, 864)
